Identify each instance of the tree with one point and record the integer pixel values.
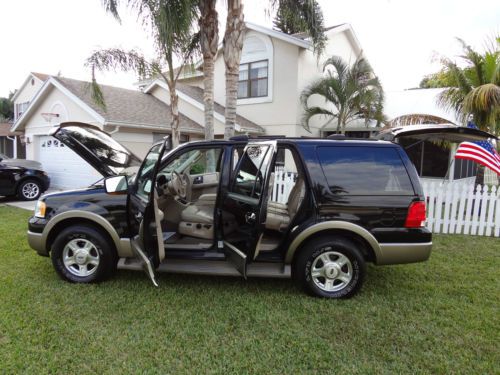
(233, 45)
(209, 43)
(301, 16)
(310, 19)
(170, 22)
(6, 109)
(353, 92)
(473, 89)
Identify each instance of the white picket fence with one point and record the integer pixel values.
(462, 208)
(283, 183)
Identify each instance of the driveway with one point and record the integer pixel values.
(26, 205)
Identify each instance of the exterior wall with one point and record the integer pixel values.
(139, 142)
(311, 68)
(275, 116)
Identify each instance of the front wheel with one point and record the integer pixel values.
(82, 254)
(29, 190)
(330, 267)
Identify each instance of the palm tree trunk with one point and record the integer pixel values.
(233, 44)
(209, 29)
(174, 108)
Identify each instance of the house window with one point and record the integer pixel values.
(253, 79)
(20, 108)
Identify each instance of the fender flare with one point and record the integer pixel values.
(327, 225)
(75, 214)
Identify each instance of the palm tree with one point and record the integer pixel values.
(171, 24)
(299, 16)
(233, 45)
(473, 89)
(311, 21)
(209, 43)
(353, 92)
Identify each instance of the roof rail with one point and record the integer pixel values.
(336, 136)
(247, 137)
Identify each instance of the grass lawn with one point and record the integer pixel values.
(438, 317)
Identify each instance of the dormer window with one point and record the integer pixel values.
(253, 80)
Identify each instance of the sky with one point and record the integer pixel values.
(401, 38)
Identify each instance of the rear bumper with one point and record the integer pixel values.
(400, 253)
(37, 242)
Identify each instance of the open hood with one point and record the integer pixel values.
(96, 147)
(442, 132)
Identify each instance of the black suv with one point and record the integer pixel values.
(316, 210)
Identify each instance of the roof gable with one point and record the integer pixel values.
(38, 76)
(123, 107)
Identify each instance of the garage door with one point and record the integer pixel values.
(65, 168)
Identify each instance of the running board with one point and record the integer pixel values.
(211, 267)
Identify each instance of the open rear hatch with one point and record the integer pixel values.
(96, 147)
(442, 132)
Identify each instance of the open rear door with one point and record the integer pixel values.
(246, 199)
(145, 216)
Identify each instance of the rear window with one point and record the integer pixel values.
(364, 171)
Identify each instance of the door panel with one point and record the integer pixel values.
(246, 199)
(145, 216)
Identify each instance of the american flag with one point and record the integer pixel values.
(481, 152)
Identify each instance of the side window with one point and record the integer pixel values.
(250, 174)
(364, 171)
(145, 173)
(284, 177)
(193, 162)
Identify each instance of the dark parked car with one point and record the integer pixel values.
(214, 208)
(24, 178)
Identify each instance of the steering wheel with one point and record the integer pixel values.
(179, 184)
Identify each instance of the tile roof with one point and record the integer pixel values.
(197, 94)
(128, 106)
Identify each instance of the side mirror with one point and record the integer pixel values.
(116, 185)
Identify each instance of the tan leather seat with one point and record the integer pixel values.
(197, 220)
(279, 215)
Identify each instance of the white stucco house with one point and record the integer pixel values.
(275, 68)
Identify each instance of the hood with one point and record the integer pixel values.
(442, 132)
(29, 164)
(96, 147)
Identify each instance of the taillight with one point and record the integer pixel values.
(416, 215)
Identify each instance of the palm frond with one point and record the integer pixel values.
(310, 112)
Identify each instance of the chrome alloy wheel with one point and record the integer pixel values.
(80, 257)
(30, 190)
(331, 271)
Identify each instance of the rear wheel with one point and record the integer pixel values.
(82, 254)
(29, 190)
(330, 267)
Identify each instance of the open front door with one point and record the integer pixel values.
(246, 200)
(145, 216)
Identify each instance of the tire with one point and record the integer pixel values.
(330, 267)
(29, 190)
(89, 256)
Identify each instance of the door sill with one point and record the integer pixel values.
(211, 267)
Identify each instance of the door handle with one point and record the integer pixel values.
(138, 215)
(250, 217)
